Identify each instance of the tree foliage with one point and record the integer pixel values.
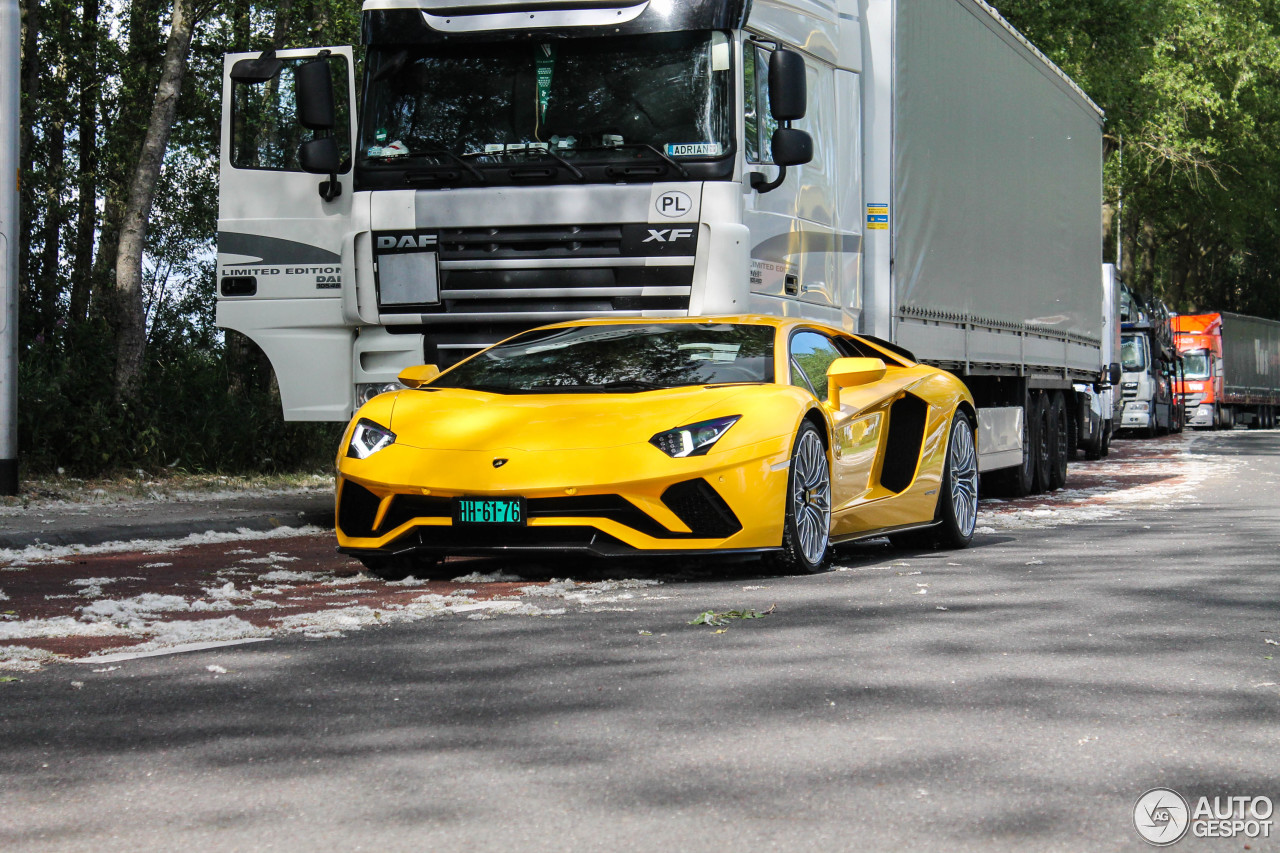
(1190, 88)
(90, 72)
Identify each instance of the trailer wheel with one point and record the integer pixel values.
(1044, 442)
(1057, 438)
(1019, 481)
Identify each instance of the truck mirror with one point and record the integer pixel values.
(1114, 373)
(787, 92)
(792, 147)
(315, 96)
(319, 156)
(254, 72)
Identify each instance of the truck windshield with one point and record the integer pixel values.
(1195, 364)
(1133, 353)
(613, 359)
(483, 111)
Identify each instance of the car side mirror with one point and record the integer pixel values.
(852, 372)
(418, 375)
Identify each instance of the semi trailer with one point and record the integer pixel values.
(1232, 370)
(914, 171)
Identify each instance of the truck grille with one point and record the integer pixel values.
(494, 282)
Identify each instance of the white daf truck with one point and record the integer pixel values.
(916, 171)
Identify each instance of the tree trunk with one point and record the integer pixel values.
(280, 32)
(30, 92)
(86, 220)
(124, 136)
(131, 340)
(53, 151)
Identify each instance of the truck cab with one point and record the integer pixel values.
(1199, 341)
(1151, 367)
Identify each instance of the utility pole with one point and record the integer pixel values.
(10, 65)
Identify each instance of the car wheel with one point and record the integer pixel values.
(399, 567)
(806, 527)
(958, 497)
(1059, 449)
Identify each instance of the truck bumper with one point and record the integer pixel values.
(1200, 416)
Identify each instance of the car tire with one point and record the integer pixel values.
(806, 524)
(958, 493)
(1059, 437)
(399, 567)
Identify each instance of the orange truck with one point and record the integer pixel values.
(1231, 365)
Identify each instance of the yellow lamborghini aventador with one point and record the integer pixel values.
(614, 437)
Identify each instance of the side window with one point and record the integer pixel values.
(811, 354)
(759, 123)
(265, 132)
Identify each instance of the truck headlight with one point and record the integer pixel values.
(368, 438)
(1138, 406)
(694, 439)
(366, 391)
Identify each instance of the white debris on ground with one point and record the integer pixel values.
(42, 553)
(1180, 477)
(163, 621)
(70, 494)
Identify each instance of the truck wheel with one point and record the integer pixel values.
(1107, 431)
(1043, 442)
(1058, 437)
(1019, 481)
(806, 524)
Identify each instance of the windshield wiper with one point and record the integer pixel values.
(641, 146)
(546, 152)
(441, 152)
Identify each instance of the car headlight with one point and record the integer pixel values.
(694, 439)
(368, 438)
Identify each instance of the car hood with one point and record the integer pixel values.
(457, 419)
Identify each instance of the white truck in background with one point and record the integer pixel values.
(914, 171)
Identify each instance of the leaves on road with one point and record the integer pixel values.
(716, 619)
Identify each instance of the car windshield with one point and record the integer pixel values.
(1133, 356)
(619, 359)
(661, 98)
(1195, 364)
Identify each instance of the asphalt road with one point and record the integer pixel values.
(1019, 695)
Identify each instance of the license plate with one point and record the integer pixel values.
(488, 511)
